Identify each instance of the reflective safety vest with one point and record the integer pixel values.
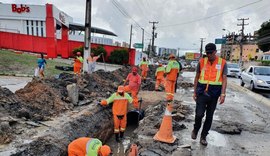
(92, 147)
(78, 61)
(172, 70)
(120, 103)
(144, 65)
(160, 72)
(211, 73)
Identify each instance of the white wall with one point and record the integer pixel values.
(15, 26)
(37, 12)
(138, 57)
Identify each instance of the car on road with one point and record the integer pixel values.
(257, 77)
(233, 70)
(194, 64)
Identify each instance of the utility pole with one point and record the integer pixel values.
(201, 50)
(142, 39)
(153, 36)
(241, 40)
(150, 47)
(130, 37)
(87, 35)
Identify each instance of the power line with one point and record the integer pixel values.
(208, 17)
(242, 37)
(126, 14)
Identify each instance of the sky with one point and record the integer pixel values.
(181, 22)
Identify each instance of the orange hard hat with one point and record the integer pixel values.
(135, 69)
(120, 89)
(172, 55)
(105, 150)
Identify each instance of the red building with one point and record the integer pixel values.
(43, 29)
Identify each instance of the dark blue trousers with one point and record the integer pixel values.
(204, 104)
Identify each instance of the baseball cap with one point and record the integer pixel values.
(210, 47)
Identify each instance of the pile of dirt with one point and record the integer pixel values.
(149, 126)
(9, 103)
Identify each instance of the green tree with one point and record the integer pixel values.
(99, 50)
(78, 49)
(264, 36)
(119, 56)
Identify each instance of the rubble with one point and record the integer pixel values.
(148, 127)
(46, 104)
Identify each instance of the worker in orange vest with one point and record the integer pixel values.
(144, 67)
(209, 85)
(78, 61)
(85, 146)
(91, 61)
(120, 101)
(159, 76)
(134, 84)
(171, 71)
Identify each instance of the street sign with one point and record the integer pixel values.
(138, 45)
(220, 41)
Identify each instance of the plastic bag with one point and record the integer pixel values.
(36, 72)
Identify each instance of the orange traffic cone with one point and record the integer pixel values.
(133, 150)
(165, 133)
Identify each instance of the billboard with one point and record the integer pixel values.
(192, 56)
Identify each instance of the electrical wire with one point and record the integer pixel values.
(208, 17)
(126, 14)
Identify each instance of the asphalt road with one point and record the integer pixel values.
(264, 93)
(241, 125)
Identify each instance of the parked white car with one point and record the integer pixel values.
(233, 70)
(194, 64)
(257, 77)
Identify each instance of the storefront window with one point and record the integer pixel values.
(37, 27)
(41, 28)
(27, 27)
(32, 27)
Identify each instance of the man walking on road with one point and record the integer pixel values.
(91, 61)
(209, 85)
(171, 71)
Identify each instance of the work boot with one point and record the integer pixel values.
(203, 141)
(121, 135)
(193, 135)
(117, 137)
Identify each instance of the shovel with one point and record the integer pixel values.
(104, 61)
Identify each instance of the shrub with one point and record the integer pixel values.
(119, 56)
(266, 62)
(99, 50)
(78, 49)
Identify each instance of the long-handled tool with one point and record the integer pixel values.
(139, 111)
(104, 61)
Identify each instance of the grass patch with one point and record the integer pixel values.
(12, 63)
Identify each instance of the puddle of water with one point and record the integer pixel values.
(216, 139)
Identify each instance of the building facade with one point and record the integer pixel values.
(231, 50)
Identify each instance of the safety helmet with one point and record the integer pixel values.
(120, 89)
(134, 69)
(172, 55)
(105, 150)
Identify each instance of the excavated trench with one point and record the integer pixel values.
(42, 119)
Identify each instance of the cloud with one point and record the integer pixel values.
(167, 12)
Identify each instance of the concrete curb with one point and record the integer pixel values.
(256, 96)
(16, 75)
